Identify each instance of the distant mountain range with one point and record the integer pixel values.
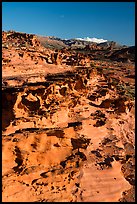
(95, 48)
(79, 43)
(98, 48)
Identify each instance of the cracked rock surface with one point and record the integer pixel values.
(68, 127)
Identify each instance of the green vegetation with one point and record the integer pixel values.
(128, 90)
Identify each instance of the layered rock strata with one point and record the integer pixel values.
(67, 133)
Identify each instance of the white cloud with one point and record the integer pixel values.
(96, 40)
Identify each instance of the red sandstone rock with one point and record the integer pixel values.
(67, 125)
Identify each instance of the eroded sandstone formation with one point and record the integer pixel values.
(67, 126)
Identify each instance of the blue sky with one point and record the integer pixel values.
(108, 20)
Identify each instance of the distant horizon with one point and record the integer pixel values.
(98, 39)
(111, 21)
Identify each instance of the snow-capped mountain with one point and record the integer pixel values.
(96, 40)
(79, 43)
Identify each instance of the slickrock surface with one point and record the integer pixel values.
(68, 125)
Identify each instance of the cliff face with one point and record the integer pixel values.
(67, 127)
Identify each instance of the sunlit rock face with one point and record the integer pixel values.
(68, 125)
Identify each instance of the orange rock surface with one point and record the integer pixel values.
(68, 125)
